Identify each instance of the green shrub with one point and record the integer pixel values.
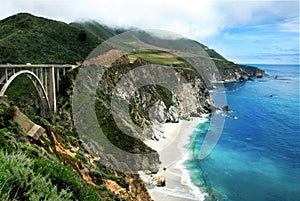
(65, 178)
(37, 119)
(3, 141)
(18, 181)
(6, 115)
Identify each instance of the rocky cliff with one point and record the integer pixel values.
(230, 72)
(154, 104)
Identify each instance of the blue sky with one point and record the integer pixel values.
(242, 31)
(272, 41)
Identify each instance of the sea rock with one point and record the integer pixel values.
(160, 181)
(148, 172)
(154, 170)
(225, 108)
(259, 75)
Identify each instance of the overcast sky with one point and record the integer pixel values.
(242, 31)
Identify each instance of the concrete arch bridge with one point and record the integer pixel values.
(45, 78)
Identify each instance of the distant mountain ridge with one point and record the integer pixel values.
(25, 38)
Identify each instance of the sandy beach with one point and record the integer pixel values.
(173, 151)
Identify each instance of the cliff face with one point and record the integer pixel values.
(230, 72)
(127, 186)
(155, 104)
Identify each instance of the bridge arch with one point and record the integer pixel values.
(46, 108)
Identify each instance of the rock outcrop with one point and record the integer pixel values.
(160, 181)
(136, 191)
(225, 108)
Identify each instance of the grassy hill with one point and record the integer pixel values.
(26, 38)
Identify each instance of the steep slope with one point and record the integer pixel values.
(27, 38)
(56, 167)
(59, 157)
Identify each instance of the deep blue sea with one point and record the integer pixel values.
(258, 155)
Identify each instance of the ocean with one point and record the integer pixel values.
(257, 157)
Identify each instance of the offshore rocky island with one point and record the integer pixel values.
(58, 165)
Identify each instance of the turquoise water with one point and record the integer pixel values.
(258, 155)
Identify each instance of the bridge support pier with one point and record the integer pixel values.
(6, 75)
(52, 89)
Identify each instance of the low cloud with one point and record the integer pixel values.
(192, 18)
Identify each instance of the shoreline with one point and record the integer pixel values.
(172, 149)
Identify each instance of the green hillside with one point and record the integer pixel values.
(25, 38)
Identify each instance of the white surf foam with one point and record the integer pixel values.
(187, 181)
